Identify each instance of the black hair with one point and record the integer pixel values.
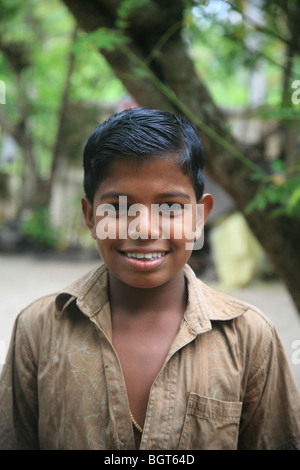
(142, 133)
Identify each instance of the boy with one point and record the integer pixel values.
(139, 354)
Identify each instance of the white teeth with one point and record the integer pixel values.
(145, 255)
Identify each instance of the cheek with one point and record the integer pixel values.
(184, 227)
(107, 227)
(107, 254)
(105, 238)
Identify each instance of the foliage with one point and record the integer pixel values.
(281, 190)
(38, 230)
(227, 47)
(126, 9)
(42, 33)
(35, 87)
(219, 36)
(102, 38)
(219, 40)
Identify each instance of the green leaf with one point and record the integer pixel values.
(261, 202)
(102, 38)
(277, 212)
(294, 198)
(128, 6)
(258, 202)
(259, 176)
(278, 166)
(272, 194)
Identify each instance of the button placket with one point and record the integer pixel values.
(160, 409)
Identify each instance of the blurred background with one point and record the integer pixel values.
(233, 67)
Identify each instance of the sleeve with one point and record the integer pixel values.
(18, 395)
(271, 406)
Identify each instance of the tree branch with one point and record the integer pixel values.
(63, 111)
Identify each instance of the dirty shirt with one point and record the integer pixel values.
(225, 383)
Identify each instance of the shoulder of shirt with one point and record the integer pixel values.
(224, 307)
(56, 303)
(217, 305)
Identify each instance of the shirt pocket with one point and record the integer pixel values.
(210, 424)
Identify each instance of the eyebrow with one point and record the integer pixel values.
(175, 194)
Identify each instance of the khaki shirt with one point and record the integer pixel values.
(225, 384)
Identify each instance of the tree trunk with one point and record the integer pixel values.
(58, 149)
(173, 84)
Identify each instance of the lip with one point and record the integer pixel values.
(140, 264)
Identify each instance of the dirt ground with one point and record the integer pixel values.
(24, 278)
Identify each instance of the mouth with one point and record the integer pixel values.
(144, 261)
(146, 256)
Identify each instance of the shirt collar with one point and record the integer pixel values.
(90, 293)
(206, 304)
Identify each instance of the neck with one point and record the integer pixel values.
(140, 301)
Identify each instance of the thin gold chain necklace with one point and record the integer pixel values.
(136, 425)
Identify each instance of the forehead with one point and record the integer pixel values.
(129, 175)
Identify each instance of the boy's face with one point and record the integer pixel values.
(145, 247)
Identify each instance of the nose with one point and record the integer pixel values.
(142, 224)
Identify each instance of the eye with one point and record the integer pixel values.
(171, 208)
(115, 205)
(119, 207)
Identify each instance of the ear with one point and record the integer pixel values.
(88, 213)
(204, 208)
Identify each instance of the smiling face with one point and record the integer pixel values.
(145, 257)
